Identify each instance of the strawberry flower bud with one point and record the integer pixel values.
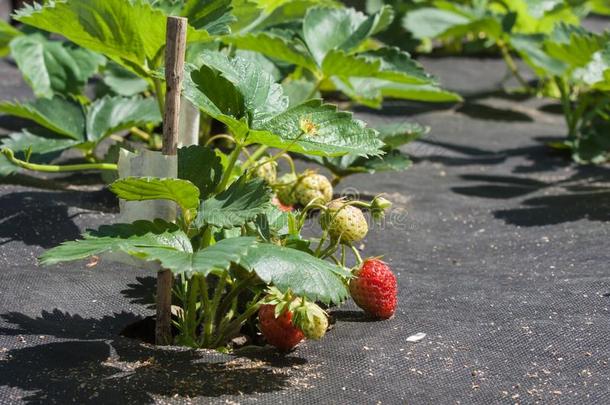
(379, 206)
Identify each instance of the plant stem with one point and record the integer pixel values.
(206, 237)
(319, 248)
(159, 93)
(255, 23)
(281, 152)
(254, 156)
(510, 62)
(235, 291)
(567, 107)
(356, 253)
(315, 89)
(191, 309)
(10, 155)
(140, 134)
(287, 158)
(222, 335)
(208, 325)
(229, 169)
(219, 136)
(205, 128)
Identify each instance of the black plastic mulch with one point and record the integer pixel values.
(500, 247)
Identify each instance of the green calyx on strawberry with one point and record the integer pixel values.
(313, 187)
(311, 319)
(285, 189)
(374, 288)
(266, 169)
(343, 222)
(276, 320)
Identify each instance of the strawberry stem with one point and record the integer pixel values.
(356, 253)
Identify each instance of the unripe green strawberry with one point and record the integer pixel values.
(267, 171)
(311, 319)
(344, 222)
(285, 190)
(313, 186)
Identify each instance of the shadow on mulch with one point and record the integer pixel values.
(486, 112)
(350, 316)
(550, 210)
(43, 218)
(95, 369)
(584, 195)
(142, 291)
(540, 157)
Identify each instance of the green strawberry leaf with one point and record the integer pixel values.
(300, 272)
(51, 67)
(262, 97)
(325, 29)
(421, 92)
(370, 92)
(395, 134)
(213, 16)
(182, 192)
(201, 166)
(123, 82)
(340, 63)
(109, 115)
(298, 91)
(235, 206)
(574, 45)
(7, 33)
(125, 238)
(38, 140)
(59, 115)
(274, 222)
(393, 160)
(531, 50)
(215, 95)
(132, 33)
(427, 22)
(219, 256)
(398, 66)
(274, 46)
(245, 98)
(330, 132)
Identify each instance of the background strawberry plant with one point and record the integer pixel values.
(277, 35)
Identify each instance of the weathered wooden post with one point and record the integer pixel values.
(175, 47)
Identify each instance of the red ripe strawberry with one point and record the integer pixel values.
(279, 332)
(374, 289)
(283, 207)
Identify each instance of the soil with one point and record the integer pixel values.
(500, 247)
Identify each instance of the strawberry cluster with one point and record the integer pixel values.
(286, 320)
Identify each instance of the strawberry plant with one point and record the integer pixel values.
(127, 55)
(233, 254)
(571, 63)
(332, 50)
(574, 66)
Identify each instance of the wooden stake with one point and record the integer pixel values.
(174, 69)
(175, 46)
